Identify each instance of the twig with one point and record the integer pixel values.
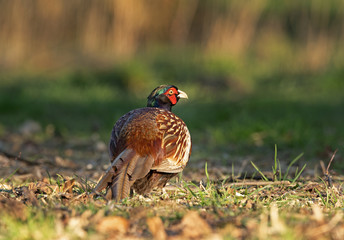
(322, 164)
(329, 164)
(10, 155)
(251, 183)
(327, 174)
(258, 183)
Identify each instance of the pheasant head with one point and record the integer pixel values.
(165, 96)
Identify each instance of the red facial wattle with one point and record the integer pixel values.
(172, 95)
(173, 99)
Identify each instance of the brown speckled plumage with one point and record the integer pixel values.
(148, 146)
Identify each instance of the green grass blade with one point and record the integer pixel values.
(206, 173)
(258, 170)
(189, 189)
(257, 190)
(291, 164)
(299, 173)
(321, 197)
(233, 175)
(8, 177)
(280, 170)
(275, 159)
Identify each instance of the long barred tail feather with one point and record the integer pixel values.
(125, 169)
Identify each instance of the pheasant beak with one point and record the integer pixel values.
(182, 94)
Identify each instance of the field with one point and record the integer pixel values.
(54, 133)
(265, 112)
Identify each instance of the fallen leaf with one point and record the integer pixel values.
(249, 204)
(75, 226)
(277, 225)
(68, 186)
(113, 224)
(263, 226)
(231, 230)
(40, 187)
(317, 213)
(156, 227)
(193, 226)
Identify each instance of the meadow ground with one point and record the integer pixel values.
(54, 129)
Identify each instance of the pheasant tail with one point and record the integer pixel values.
(124, 170)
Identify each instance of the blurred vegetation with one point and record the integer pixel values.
(258, 73)
(299, 35)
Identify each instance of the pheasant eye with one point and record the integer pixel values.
(171, 92)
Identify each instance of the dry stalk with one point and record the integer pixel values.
(327, 174)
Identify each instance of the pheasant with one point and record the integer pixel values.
(148, 146)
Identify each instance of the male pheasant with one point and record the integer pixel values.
(148, 146)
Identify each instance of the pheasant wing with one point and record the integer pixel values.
(175, 144)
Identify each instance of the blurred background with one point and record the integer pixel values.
(258, 73)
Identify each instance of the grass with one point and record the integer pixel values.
(235, 115)
(277, 171)
(239, 209)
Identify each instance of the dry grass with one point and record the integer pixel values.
(58, 205)
(307, 209)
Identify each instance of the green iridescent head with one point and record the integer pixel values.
(165, 96)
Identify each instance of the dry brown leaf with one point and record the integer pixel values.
(277, 226)
(326, 227)
(81, 198)
(68, 186)
(317, 213)
(113, 224)
(156, 227)
(98, 216)
(231, 230)
(193, 226)
(249, 204)
(32, 186)
(263, 226)
(338, 233)
(42, 187)
(75, 226)
(85, 216)
(251, 226)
